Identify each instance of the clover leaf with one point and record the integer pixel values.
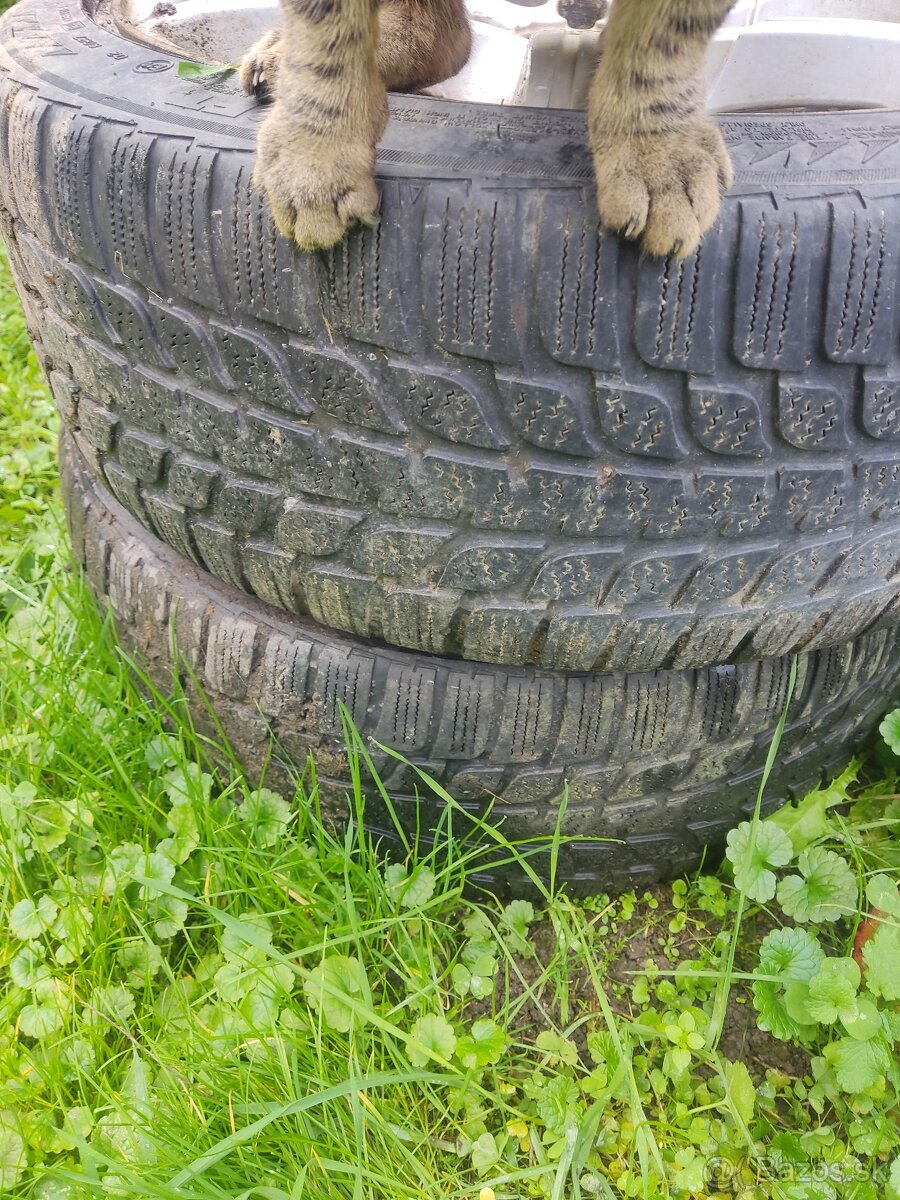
(882, 893)
(890, 730)
(740, 1090)
(485, 1153)
(559, 1048)
(832, 991)
(482, 1046)
(476, 976)
(865, 1023)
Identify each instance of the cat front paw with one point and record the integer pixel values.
(258, 71)
(663, 189)
(317, 185)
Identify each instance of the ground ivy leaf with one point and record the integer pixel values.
(188, 782)
(825, 889)
(331, 984)
(517, 916)
(394, 878)
(788, 954)
(251, 945)
(49, 822)
(73, 928)
(233, 981)
(559, 1105)
(858, 1065)
(890, 730)
(477, 926)
(419, 890)
(752, 863)
(46, 1014)
(161, 751)
(141, 961)
(881, 954)
(79, 1057)
(123, 863)
(28, 920)
(182, 821)
(57, 1189)
(832, 991)
(266, 815)
(111, 1004)
(431, 1036)
(177, 849)
(28, 967)
(168, 915)
(155, 867)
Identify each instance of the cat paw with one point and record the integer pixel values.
(663, 189)
(317, 185)
(257, 72)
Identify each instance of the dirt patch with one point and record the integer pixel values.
(627, 949)
(743, 1042)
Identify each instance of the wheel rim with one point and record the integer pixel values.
(770, 55)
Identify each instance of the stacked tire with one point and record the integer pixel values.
(548, 518)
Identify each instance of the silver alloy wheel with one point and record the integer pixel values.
(771, 55)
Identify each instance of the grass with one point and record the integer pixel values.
(207, 992)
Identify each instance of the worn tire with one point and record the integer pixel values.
(663, 762)
(482, 428)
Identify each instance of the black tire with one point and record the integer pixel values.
(482, 428)
(665, 762)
